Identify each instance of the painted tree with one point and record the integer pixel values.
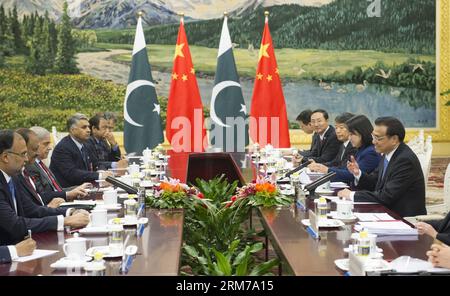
(36, 62)
(16, 31)
(65, 58)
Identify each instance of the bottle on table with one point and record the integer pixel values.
(322, 208)
(96, 267)
(363, 244)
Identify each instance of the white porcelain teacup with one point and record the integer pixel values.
(99, 217)
(344, 209)
(75, 248)
(110, 197)
(133, 169)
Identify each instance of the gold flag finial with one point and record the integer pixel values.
(266, 13)
(225, 13)
(140, 13)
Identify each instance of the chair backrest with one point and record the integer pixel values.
(447, 189)
(207, 166)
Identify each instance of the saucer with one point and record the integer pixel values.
(65, 262)
(124, 222)
(112, 207)
(105, 250)
(334, 215)
(328, 223)
(370, 264)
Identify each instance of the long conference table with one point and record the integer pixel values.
(159, 247)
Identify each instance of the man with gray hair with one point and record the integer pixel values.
(43, 178)
(71, 163)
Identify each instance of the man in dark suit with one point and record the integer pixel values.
(346, 149)
(102, 153)
(438, 229)
(18, 213)
(71, 163)
(325, 143)
(304, 119)
(398, 182)
(44, 180)
(10, 253)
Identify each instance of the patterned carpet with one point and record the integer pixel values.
(435, 189)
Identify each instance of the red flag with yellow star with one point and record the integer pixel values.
(268, 121)
(184, 125)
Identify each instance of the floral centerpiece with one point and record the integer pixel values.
(171, 194)
(264, 192)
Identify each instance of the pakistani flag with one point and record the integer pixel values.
(141, 107)
(229, 129)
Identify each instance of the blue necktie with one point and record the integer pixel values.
(385, 165)
(13, 193)
(83, 154)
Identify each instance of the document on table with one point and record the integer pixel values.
(304, 178)
(367, 217)
(36, 255)
(387, 228)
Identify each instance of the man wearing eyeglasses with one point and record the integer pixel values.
(398, 182)
(18, 213)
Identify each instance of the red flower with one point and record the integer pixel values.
(200, 195)
(233, 198)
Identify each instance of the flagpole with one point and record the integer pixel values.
(181, 14)
(266, 13)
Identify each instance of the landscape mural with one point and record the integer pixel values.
(375, 57)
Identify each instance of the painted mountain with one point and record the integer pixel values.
(118, 14)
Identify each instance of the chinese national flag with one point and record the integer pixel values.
(269, 123)
(184, 125)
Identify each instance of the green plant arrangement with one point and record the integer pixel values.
(231, 262)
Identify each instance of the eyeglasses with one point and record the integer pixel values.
(22, 155)
(377, 138)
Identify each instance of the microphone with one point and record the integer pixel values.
(302, 166)
(311, 187)
(128, 189)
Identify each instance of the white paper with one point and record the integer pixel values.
(79, 202)
(36, 255)
(387, 228)
(409, 264)
(304, 178)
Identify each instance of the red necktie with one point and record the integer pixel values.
(31, 187)
(55, 184)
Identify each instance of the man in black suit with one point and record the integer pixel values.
(44, 180)
(18, 213)
(398, 182)
(346, 149)
(325, 145)
(71, 163)
(10, 253)
(102, 153)
(438, 229)
(304, 119)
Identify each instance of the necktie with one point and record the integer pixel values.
(83, 154)
(32, 187)
(13, 193)
(385, 165)
(50, 176)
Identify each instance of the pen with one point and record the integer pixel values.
(29, 233)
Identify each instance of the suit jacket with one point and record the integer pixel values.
(368, 160)
(5, 256)
(43, 184)
(314, 143)
(68, 165)
(14, 226)
(326, 150)
(102, 154)
(402, 189)
(345, 152)
(443, 229)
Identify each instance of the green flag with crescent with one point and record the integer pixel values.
(142, 127)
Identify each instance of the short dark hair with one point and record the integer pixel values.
(95, 120)
(361, 124)
(6, 139)
(325, 113)
(305, 116)
(342, 118)
(394, 127)
(110, 116)
(25, 133)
